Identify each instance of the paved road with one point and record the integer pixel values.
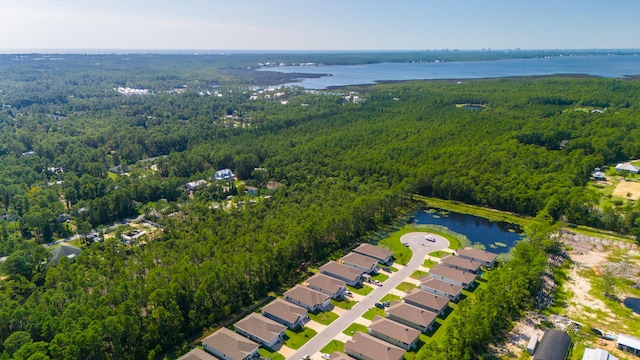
(420, 247)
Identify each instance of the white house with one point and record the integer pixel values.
(627, 167)
(224, 174)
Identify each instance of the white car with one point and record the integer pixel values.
(405, 243)
(326, 356)
(377, 282)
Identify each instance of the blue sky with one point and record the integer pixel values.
(318, 25)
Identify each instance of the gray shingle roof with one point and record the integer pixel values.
(325, 282)
(260, 327)
(411, 313)
(197, 354)
(228, 342)
(307, 296)
(442, 286)
(452, 274)
(341, 270)
(394, 330)
(462, 263)
(478, 254)
(359, 260)
(284, 310)
(373, 251)
(373, 348)
(427, 300)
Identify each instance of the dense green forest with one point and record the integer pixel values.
(348, 169)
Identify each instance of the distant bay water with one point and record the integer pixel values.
(609, 66)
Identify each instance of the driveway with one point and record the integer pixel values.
(420, 247)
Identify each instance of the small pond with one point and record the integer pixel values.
(497, 237)
(633, 304)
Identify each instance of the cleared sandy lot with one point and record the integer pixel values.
(626, 188)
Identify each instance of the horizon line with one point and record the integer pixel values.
(114, 51)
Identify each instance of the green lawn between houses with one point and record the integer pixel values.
(346, 304)
(298, 338)
(351, 329)
(406, 286)
(270, 354)
(333, 345)
(364, 290)
(324, 318)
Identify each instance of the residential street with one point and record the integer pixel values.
(420, 246)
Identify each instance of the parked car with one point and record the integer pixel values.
(348, 293)
(380, 305)
(405, 243)
(326, 356)
(386, 268)
(306, 357)
(377, 282)
(430, 238)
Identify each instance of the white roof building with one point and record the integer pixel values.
(627, 167)
(597, 354)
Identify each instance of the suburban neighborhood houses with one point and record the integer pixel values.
(344, 289)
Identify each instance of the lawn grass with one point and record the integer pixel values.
(364, 290)
(346, 304)
(351, 329)
(428, 263)
(380, 277)
(401, 253)
(332, 346)
(112, 176)
(418, 274)
(371, 313)
(298, 338)
(268, 353)
(438, 254)
(406, 286)
(390, 297)
(324, 318)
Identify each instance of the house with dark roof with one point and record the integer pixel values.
(453, 276)
(394, 333)
(442, 288)
(286, 313)
(629, 344)
(68, 251)
(486, 258)
(227, 345)
(411, 316)
(366, 347)
(327, 284)
(554, 345)
(224, 174)
(461, 263)
(428, 301)
(383, 256)
(196, 354)
(261, 329)
(349, 275)
(309, 299)
(360, 262)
